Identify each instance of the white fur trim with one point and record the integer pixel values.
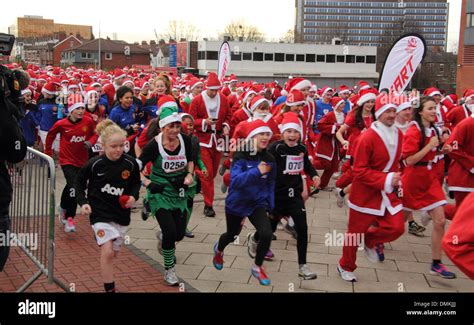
(339, 103)
(121, 76)
(403, 106)
(199, 83)
(303, 102)
(261, 129)
(384, 108)
(168, 104)
(214, 87)
(434, 93)
(365, 98)
(46, 91)
(284, 127)
(302, 84)
(255, 105)
(329, 89)
(75, 106)
(175, 117)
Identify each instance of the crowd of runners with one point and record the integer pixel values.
(390, 154)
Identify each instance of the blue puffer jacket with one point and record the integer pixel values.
(248, 189)
(123, 117)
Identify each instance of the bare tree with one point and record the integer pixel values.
(242, 31)
(289, 36)
(179, 30)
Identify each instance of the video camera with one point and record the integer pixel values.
(10, 88)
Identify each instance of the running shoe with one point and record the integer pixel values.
(336, 175)
(346, 275)
(252, 245)
(327, 189)
(291, 230)
(259, 273)
(415, 229)
(70, 226)
(274, 237)
(339, 198)
(306, 273)
(371, 254)
(171, 278)
(269, 255)
(62, 215)
(145, 211)
(218, 259)
(442, 271)
(379, 250)
(223, 188)
(209, 212)
(313, 190)
(189, 234)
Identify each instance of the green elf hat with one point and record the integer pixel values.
(169, 115)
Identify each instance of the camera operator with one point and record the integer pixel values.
(12, 142)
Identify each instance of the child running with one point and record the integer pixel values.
(113, 183)
(291, 160)
(251, 195)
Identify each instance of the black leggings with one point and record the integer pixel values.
(68, 197)
(4, 250)
(260, 221)
(173, 227)
(297, 211)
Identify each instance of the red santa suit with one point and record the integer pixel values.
(327, 149)
(423, 195)
(458, 242)
(203, 107)
(461, 169)
(457, 114)
(373, 200)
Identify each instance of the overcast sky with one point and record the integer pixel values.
(136, 20)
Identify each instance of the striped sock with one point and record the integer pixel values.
(168, 256)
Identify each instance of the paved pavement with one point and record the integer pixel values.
(406, 268)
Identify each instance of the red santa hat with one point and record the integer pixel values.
(89, 91)
(251, 129)
(325, 90)
(166, 101)
(50, 88)
(233, 78)
(295, 98)
(290, 121)
(362, 85)
(313, 88)
(344, 89)
(256, 101)
(213, 82)
(402, 102)
(56, 71)
(336, 101)
(468, 95)
(432, 91)
(72, 84)
(74, 101)
(246, 95)
(129, 82)
(366, 95)
(382, 104)
(193, 83)
(118, 73)
(297, 83)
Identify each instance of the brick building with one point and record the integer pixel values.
(65, 44)
(465, 68)
(37, 26)
(114, 54)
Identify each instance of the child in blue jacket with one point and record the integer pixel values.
(251, 195)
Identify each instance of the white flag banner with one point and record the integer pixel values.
(224, 61)
(401, 63)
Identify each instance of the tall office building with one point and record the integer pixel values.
(371, 22)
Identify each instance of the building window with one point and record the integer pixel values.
(299, 57)
(247, 57)
(350, 59)
(340, 59)
(268, 56)
(236, 56)
(201, 55)
(108, 56)
(258, 56)
(212, 55)
(321, 58)
(360, 59)
(290, 57)
(86, 55)
(311, 58)
(330, 58)
(279, 57)
(470, 20)
(370, 59)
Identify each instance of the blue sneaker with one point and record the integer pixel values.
(379, 250)
(259, 273)
(442, 271)
(218, 259)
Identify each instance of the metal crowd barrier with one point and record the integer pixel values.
(32, 213)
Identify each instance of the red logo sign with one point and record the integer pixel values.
(412, 43)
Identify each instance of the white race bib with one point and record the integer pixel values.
(172, 164)
(294, 165)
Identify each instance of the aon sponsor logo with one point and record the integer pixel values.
(76, 139)
(112, 190)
